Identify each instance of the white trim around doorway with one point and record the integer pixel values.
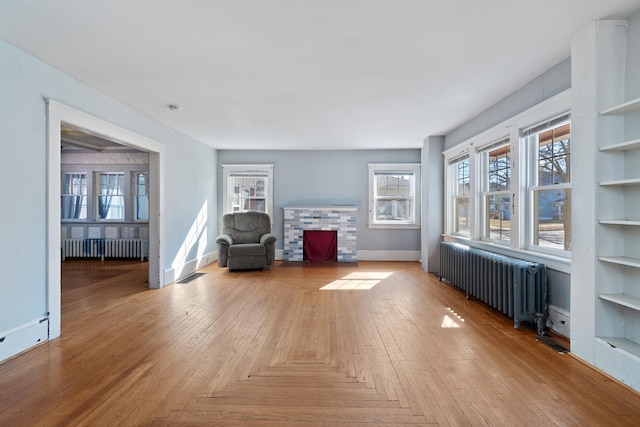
(58, 113)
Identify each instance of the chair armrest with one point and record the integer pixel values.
(268, 238)
(224, 239)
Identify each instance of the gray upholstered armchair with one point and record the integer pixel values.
(246, 242)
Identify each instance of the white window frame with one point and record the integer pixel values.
(86, 195)
(521, 170)
(530, 143)
(97, 196)
(228, 171)
(135, 195)
(453, 194)
(486, 191)
(412, 169)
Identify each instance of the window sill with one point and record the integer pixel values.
(553, 262)
(382, 225)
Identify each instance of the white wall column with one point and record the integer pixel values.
(597, 83)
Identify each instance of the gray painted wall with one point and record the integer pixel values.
(559, 289)
(327, 178)
(547, 85)
(633, 64)
(432, 199)
(190, 179)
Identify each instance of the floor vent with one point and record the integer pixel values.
(190, 278)
(549, 342)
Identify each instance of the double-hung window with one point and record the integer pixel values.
(496, 195)
(511, 184)
(394, 195)
(248, 187)
(460, 191)
(110, 198)
(140, 196)
(74, 196)
(549, 184)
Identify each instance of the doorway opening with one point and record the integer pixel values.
(60, 115)
(104, 214)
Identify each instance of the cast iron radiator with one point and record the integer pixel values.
(513, 286)
(105, 248)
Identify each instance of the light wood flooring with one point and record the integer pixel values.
(372, 344)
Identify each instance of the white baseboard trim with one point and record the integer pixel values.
(559, 320)
(23, 337)
(189, 267)
(366, 255)
(375, 255)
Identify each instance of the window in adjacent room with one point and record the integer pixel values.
(248, 187)
(140, 196)
(549, 184)
(496, 196)
(74, 196)
(110, 198)
(394, 196)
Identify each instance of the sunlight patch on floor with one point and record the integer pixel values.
(451, 321)
(360, 281)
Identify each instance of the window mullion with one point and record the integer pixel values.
(522, 170)
(475, 204)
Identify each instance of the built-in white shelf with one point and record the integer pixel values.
(621, 260)
(614, 143)
(620, 182)
(627, 107)
(622, 299)
(622, 344)
(633, 144)
(629, 222)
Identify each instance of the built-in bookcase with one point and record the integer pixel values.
(605, 271)
(618, 280)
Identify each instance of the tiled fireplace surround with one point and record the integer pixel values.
(339, 218)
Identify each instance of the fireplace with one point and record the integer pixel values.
(338, 219)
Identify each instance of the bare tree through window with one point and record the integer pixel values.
(554, 204)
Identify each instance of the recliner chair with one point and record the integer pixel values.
(246, 242)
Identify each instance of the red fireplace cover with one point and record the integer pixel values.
(320, 245)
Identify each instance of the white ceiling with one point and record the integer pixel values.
(304, 74)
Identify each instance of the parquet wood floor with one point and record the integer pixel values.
(371, 344)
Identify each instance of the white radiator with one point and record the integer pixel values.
(105, 248)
